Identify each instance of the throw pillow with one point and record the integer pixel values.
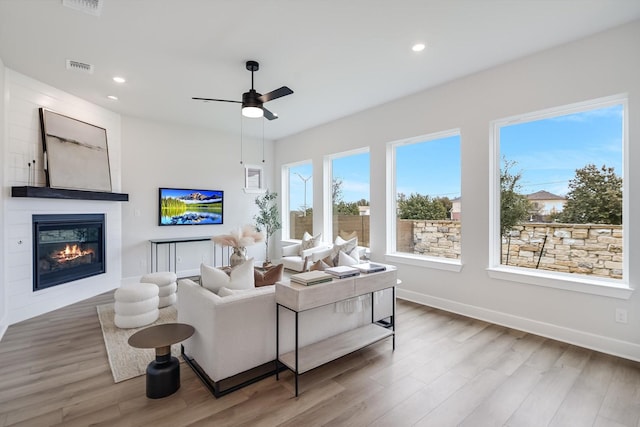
(346, 246)
(348, 236)
(344, 259)
(213, 278)
(309, 241)
(240, 277)
(319, 265)
(268, 277)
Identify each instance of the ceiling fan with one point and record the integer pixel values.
(252, 101)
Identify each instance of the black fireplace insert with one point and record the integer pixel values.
(67, 247)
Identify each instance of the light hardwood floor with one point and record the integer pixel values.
(447, 370)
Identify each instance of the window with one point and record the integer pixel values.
(297, 183)
(348, 196)
(425, 203)
(558, 193)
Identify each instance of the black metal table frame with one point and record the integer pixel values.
(174, 241)
(391, 324)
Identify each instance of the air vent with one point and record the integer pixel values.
(79, 66)
(92, 7)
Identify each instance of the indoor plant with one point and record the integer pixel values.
(267, 219)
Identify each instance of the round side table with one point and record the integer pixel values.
(163, 373)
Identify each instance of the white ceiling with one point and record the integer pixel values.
(339, 56)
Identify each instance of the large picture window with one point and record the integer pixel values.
(425, 198)
(298, 203)
(559, 208)
(349, 196)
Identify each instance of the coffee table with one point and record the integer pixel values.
(163, 373)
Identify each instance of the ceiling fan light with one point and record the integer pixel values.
(252, 112)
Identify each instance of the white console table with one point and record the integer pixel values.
(299, 298)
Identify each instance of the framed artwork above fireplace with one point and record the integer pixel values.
(76, 155)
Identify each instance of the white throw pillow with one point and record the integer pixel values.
(309, 241)
(241, 277)
(225, 292)
(213, 278)
(341, 245)
(344, 259)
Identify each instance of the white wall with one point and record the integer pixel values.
(601, 65)
(23, 97)
(167, 155)
(3, 195)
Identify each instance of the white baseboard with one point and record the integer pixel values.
(600, 343)
(3, 329)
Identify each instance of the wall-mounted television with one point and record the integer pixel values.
(187, 206)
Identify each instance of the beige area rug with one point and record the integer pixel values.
(127, 362)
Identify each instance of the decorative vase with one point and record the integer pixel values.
(238, 256)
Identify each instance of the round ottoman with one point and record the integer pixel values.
(136, 305)
(167, 284)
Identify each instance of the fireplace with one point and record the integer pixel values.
(67, 247)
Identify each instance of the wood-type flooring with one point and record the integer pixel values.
(447, 370)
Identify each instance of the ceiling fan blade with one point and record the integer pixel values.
(275, 94)
(268, 114)
(219, 100)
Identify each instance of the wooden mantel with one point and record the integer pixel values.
(61, 193)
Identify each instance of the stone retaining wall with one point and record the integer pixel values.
(592, 249)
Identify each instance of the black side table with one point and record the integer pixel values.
(163, 373)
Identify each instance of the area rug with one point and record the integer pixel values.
(127, 362)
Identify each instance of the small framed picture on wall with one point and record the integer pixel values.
(253, 179)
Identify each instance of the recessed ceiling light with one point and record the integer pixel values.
(418, 47)
(113, 97)
(119, 79)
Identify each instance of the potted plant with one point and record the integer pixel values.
(267, 219)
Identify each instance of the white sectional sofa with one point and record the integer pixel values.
(234, 343)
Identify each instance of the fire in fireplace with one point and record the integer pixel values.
(67, 247)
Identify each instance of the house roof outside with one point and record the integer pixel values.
(544, 195)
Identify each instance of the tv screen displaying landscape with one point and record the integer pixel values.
(181, 206)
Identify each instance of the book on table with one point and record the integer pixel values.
(342, 271)
(311, 277)
(370, 267)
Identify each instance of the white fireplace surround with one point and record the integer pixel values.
(23, 97)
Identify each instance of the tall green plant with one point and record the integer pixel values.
(268, 218)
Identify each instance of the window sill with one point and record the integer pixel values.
(428, 262)
(564, 281)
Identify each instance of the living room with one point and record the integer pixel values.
(147, 153)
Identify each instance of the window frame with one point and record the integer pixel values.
(285, 199)
(391, 253)
(615, 288)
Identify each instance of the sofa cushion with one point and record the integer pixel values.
(345, 259)
(226, 292)
(346, 246)
(348, 236)
(240, 277)
(309, 241)
(268, 277)
(321, 265)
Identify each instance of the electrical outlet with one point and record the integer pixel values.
(621, 315)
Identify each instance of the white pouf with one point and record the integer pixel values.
(161, 278)
(136, 305)
(167, 282)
